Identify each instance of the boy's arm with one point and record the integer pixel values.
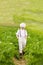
(26, 35)
(17, 34)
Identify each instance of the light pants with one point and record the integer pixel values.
(22, 44)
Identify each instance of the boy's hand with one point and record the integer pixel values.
(17, 36)
(25, 37)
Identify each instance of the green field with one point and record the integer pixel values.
(8, 43)
(12, 13)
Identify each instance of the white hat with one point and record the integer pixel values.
(23, 25)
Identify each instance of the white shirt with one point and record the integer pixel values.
(21, 33)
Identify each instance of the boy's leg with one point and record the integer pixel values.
(24, 44)
(20, 46)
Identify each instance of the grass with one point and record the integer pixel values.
(33, 50)
(28, 9)
(12, 13)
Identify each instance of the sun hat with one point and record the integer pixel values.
(23, 25)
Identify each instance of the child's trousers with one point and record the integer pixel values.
(22, 44)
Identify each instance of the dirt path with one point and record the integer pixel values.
(19, 62)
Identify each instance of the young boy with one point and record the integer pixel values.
(22, 37)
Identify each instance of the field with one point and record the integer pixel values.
(12, 13)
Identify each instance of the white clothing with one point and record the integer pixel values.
(21, 34)
(22, 44)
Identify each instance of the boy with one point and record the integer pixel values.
(22, 37)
